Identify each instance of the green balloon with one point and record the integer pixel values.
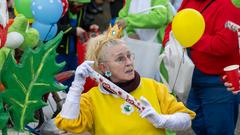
(24, 7)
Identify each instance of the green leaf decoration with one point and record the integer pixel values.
(4, 116)
(26, 82)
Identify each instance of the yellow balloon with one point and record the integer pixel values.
(16, 14)
(188, 27)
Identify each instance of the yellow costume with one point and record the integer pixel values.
(104, 114)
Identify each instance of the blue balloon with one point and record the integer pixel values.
(47, 11)
(46, 31)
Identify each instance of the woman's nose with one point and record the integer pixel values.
(129, 61)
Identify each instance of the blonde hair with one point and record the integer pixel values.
(96, 49)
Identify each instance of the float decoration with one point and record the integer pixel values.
(4, 116)
(26, 82)
(22, 35)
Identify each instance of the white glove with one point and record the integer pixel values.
(176, 121)
(81, 73)
(150, 114)
(71, 107)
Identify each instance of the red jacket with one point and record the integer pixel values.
(218, 47)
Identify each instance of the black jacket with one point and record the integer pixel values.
(64, 25)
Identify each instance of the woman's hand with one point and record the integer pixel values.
(71, 107)
(82, 72)
(150, 114)
(176, 121)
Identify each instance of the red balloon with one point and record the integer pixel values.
(65, 6)
(3, 35)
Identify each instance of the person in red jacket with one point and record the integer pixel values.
(216, 108)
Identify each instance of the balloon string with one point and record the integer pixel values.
(183, 55)
(48, 33)
(179, 67)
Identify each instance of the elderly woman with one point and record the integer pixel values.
(102, 113)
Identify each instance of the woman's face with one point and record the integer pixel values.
(119, 61)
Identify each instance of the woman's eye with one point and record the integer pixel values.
(129, 56)
(120, 58)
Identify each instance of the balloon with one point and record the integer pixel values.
(65, 7)
(14, 40)
(16, 14)
(188, 27)
(47, 11)
(46, 31)
(24, 7)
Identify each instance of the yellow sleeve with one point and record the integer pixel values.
(83, 123)
(169, 104)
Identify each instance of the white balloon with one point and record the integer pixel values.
(14, 40)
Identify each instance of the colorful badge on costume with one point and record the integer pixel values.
(127, 108)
